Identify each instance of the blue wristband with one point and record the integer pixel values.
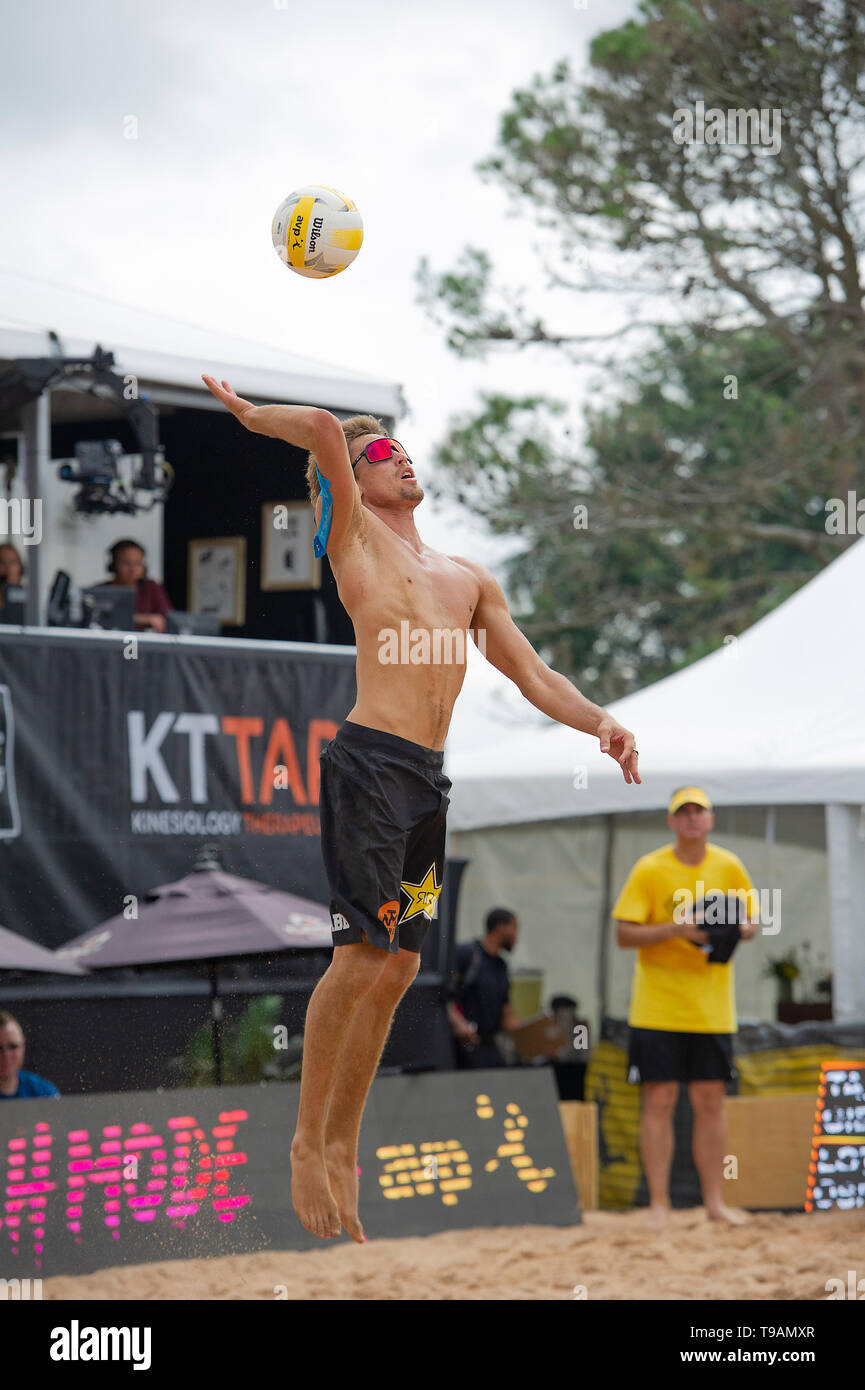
(319, 545)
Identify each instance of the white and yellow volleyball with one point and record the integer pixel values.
(317, 231)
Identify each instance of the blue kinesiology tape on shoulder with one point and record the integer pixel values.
(319, 545)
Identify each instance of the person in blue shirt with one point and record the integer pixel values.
(16, 1084)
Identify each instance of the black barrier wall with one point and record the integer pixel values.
(132, 1034)
(119, 758)
(100, 1181)
(123, 754)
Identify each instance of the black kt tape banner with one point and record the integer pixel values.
(93, 1182)
(119, 758)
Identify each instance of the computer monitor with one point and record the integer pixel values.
(110, 606)
(14, 597)
(192, 624)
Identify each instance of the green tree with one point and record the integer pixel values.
(739, 264)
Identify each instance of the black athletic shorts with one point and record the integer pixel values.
(655, 1054)
(383, 804)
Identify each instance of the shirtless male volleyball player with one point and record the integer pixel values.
(383, 797)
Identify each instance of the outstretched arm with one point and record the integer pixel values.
(502, 643)
(309, 428)
(296, 424)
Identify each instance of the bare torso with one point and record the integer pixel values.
(411, 614)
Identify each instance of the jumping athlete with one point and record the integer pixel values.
(384, 796)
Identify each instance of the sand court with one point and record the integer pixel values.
(612, 1256)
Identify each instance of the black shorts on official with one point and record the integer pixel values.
(383, 805)
(655, 1054)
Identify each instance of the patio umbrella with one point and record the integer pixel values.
(207, 916)
(17, 953)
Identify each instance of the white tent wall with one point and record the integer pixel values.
(845, 837)
(552, 875)
(784, 853)
(774, 718)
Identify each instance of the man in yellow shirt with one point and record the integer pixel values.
(683, 1011)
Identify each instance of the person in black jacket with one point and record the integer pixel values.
(479, 1004)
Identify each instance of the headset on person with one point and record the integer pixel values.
(126, 544)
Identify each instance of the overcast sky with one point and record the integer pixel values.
(236, 103)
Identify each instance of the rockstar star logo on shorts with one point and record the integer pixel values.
(423, 896)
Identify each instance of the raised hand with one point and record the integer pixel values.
(242, 410)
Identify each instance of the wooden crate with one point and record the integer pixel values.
(770, 1138)
(580, 1125)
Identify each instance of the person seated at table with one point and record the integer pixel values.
(126, 562)
(11, 569)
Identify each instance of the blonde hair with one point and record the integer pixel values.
(6, 1019)
(352, 429)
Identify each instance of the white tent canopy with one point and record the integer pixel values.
(162, 351)
(166, 359)
(775, 716)
(773, 719)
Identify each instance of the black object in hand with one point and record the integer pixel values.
(721, 913)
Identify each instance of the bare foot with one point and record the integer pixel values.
(342, 1171)
(657, 1217)
(732, 1215)
(311, 1196)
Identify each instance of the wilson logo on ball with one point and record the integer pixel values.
(317, 231)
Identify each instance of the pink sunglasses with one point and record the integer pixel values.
(379, 450)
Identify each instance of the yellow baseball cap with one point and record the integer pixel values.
(686, 794)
